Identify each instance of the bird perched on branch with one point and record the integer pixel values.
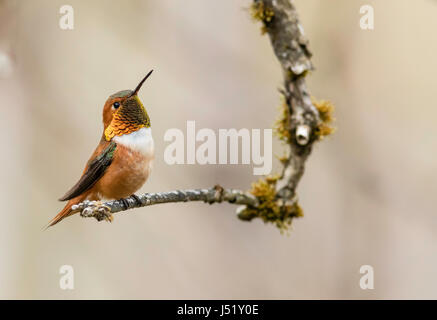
(122, 161)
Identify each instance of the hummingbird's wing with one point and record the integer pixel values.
(94, 171)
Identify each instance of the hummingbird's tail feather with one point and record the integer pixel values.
(66, 212)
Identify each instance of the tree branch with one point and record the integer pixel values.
(216, 194)
(291, 48)
(273, 200)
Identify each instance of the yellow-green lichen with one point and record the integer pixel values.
(283, 158)
(269, 209)
(326, 110)
(260, 12)
(282, 123)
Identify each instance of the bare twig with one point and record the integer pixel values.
(212, 195)
(281, 23)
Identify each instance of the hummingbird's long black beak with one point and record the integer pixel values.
(140, 84)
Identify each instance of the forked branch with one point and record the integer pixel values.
(274, 198)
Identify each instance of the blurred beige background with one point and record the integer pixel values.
(369, 192)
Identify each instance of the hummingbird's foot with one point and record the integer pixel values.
(126, 204)
(97, 210)
(137, 199)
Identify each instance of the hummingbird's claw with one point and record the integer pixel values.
(97, 210)
(137, 199)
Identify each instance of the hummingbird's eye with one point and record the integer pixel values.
(116, 105)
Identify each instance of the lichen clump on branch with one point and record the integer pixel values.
(260, 12)
(282, 124)
(269, 209)
(326, 110)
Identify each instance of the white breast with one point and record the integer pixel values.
(140, 140)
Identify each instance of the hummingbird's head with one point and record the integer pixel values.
(124, 113)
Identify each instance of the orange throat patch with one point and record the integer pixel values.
(119, 128)
(130, 118)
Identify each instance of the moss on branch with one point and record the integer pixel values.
(326, 111)
(270, 209)
(261, 12)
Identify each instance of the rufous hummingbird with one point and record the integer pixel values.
(122, 161)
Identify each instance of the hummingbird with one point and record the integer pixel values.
(122, 161)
